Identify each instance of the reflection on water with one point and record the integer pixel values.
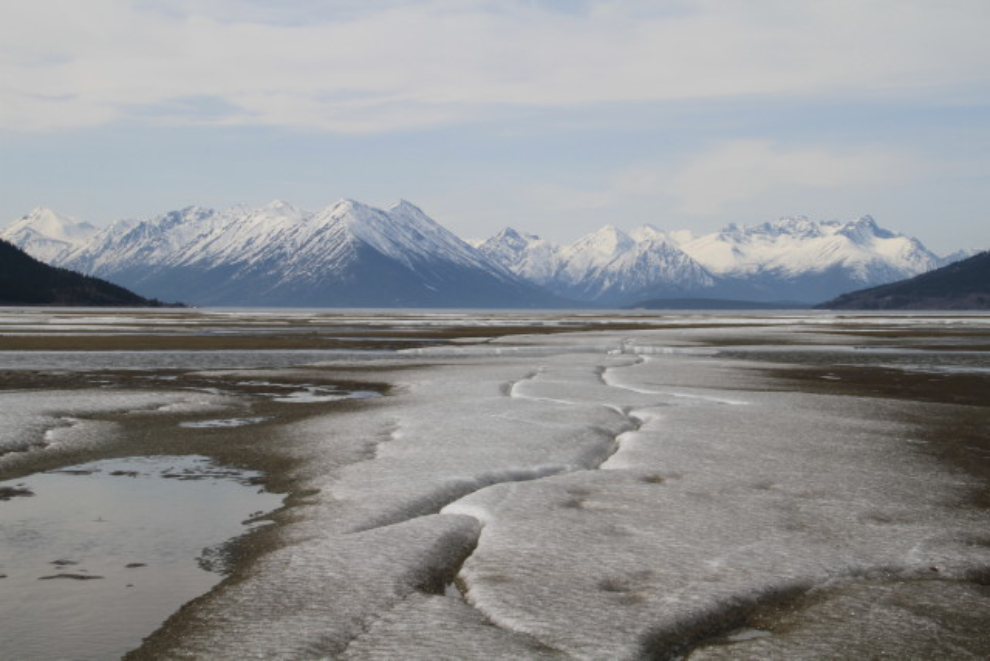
(96, 556)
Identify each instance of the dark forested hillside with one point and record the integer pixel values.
(26, 281)
(963, 285)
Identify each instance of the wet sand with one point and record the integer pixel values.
(952, 416)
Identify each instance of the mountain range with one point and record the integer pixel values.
(792, 259)
(351, 254)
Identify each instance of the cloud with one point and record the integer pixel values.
(349, 66)
(721, 179)
(742, 170)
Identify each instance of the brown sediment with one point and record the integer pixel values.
(299, 337)
(145, 433)
(6, 493)
(96, 342)
(951, 418)
(866, 381)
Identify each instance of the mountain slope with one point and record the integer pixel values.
(45, 234)
(26, 281)
(607, 267)
(526, 255)
(349, 254)
(964, 285)
(801, 259)
(793, 259)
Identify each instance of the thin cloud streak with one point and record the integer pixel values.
(722, 177)
(741, 170)
(406, 65)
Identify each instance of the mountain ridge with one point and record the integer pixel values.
(350, 253)
(347, 254)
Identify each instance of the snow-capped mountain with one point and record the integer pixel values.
(606, 267)
(347, 254)
(46, 235)
(527, 255)
(351, 254)
(793, 259)
(796, 246)
(805, 260)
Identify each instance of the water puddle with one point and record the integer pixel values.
(96, 556)
(314, 394)
(222, 423)
(307, 394)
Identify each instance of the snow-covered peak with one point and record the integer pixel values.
(511, 240)
(281, 208)
(593, 251)
(50, 224)
(526, 255)
(648, 233)
(865, 230)
(607, 242)
(403, 233)
(45, 234)
(797, 245)
(405, 206)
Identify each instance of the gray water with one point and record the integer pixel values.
(98, 555)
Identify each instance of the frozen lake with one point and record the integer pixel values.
(527, 485)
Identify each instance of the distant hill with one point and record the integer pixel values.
(26, 281)
(963, 285)
(712, 304)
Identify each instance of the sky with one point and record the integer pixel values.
(555, 117)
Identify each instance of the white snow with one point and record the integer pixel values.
(46, 235)
(795, 246)
(290, 246)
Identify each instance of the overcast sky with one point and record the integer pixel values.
(552, 116)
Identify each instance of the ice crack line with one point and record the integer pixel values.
(509, 389)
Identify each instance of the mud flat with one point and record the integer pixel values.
(560, 486)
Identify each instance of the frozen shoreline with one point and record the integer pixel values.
(600, 495)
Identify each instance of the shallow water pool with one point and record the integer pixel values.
(96, 556)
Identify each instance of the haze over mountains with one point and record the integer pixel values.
(351, 254)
